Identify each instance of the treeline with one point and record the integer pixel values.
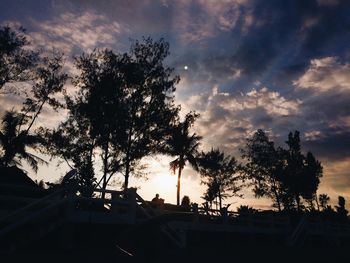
(121, 109)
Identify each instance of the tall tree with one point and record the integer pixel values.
(219, 172)
(342, 212)
(149, 103)
(71, 141)
(98, 107)
(263, 167)
(302, 173)
(15, 59)
(184, 146)
(285, 175)
(128, 102)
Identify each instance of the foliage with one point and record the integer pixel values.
(219, 173)
(14, 142)
(323, 199)
(123, 107)
(342, 212)
(48, 84)
(71, 142)
(16, 134)
(15, 60)
(301, 174)
(245, 209)
(285, 175)
(186, 201)
(263, 167)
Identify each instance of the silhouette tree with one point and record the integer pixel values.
(72, 142)
(148, 104)
(312, 171)
(246, 210)
(14, 142)
(301, 175)
(96, 113)
(48, 84)
(285, 175)
(210, 194)
(323, 199)
(15, 60)
(219, 173)
(263, 167)
(186, 202)
(16, 135)
(342, 212)
(184, 146)
(127, 101)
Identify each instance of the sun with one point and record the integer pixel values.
(166, 182)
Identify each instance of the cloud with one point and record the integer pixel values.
(201, 20)
(72, 32)
(226, 119)
(325, 74)
(325, 88)
(313, 135)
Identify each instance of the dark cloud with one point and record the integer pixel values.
(333, 146)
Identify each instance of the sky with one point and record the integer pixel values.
(277, 65)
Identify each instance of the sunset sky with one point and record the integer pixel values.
(277, 65)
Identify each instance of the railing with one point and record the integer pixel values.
(34, 211)
(127, 207)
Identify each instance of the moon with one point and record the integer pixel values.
(185, 67)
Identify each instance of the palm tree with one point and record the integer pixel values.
(14, 142)
(184, 146)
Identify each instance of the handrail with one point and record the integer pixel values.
(31, 205)
(297, 231)
(23, 187)
(22, 221)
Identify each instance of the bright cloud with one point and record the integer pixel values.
(325, 74)
(226, 119)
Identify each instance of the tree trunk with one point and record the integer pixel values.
(127, 171)
(277, 196)
(317, 204)
(178, 186)
(35, 116)
(105, 169)
(127, 161)
(220, 199)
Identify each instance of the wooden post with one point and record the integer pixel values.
(224, 215)
(132, 202)
(114, 202)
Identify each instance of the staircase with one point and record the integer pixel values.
(33, 221)
(176, 236)
(299, 234)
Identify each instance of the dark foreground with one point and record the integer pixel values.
(240, 255)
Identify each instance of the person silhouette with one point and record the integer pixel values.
(155, 199)
(157, 202)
